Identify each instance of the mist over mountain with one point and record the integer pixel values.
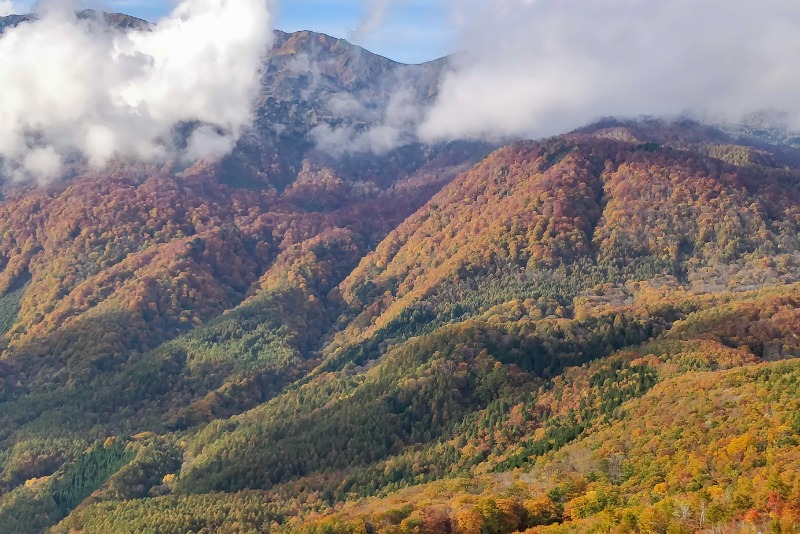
(300, 287)
(318, 96)
(539, 68)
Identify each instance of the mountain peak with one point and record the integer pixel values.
(319, 43)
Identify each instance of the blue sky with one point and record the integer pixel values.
(413, 31)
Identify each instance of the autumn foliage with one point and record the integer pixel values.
(591, 333)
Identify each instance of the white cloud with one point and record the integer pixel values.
(72, 85)
(541, 67)
(392, 126)
(208, 143)
(7, 7)
(44, 163)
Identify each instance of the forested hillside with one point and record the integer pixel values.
(596, 332)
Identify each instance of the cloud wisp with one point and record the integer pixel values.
(391, 125)
(374, 16)
(76, 86)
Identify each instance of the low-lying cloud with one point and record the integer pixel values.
(535, 68)
(385, 127)
(75, 86)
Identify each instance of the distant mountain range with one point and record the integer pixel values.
(117, 20)
(596, 332)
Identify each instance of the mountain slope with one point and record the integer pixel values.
(147, 298)
(515, 345)
(548, 221)
(595, 447)
(118, 261)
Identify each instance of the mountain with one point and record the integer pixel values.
(322, 95)
(555, 218)
(596, 332)
(325, 106)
